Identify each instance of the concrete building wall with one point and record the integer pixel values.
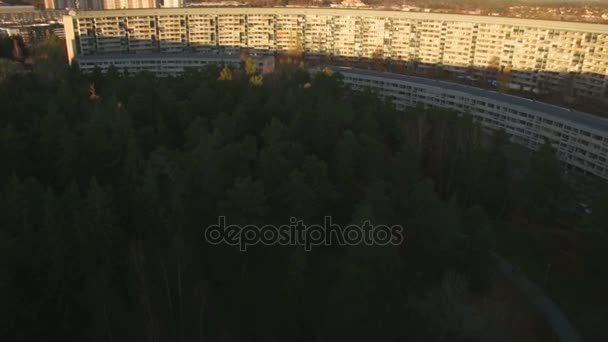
(541, 55)
(581, 139)
(166, 64)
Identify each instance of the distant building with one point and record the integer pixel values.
(59, 4)
(9, 31)
(349, 4)
(128, 4)
(58, 30)
(33, 33)
(172, 3)
(29, 15)
(88, 5)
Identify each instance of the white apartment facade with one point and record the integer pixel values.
(166, 64)
(581, 139)
(541, 55)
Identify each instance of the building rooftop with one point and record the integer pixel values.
(581, 118)
(542, 24)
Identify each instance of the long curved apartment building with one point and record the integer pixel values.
(581, 139)
(540, 55)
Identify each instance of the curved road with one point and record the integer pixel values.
(563, 330)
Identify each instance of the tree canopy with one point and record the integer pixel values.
(110, 180)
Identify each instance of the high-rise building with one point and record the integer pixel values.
(128, 4)
(88, 5)
(533, 55)
(536, 55)
(172, 3)
(32, 34)
(59, 4)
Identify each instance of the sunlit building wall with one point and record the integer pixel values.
(535, 55)
(127, 4)
(172, 3)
